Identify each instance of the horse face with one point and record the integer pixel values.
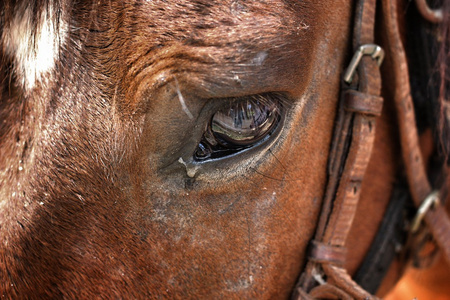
(103, 187)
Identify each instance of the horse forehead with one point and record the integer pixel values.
(34, 43)
(153, 39)
(218, 24)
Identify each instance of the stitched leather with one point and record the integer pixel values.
(324, 253)
(355, 101)
(436, 219)
(350, 154)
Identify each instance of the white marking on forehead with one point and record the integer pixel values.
(35, 52)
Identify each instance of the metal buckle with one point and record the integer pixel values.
(373, 50)
(431, 200)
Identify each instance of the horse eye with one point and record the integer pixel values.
(241, 124)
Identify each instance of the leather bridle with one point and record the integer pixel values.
(360, 104)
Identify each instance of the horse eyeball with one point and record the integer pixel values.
(244, 122)
(240, 124)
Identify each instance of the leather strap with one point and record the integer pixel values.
(436, 218)
(357, 102)
(350, 153)
(324, 253)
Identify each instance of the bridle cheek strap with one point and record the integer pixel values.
(352, 144)
(435, 217)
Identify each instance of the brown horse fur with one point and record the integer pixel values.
(93, 198)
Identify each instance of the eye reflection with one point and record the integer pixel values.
(241, 124)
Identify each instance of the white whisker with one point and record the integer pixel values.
(182, 102)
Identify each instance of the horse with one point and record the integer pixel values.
(213, 149)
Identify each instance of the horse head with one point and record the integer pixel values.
(173, 149)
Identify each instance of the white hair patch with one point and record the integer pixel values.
(34, 47)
